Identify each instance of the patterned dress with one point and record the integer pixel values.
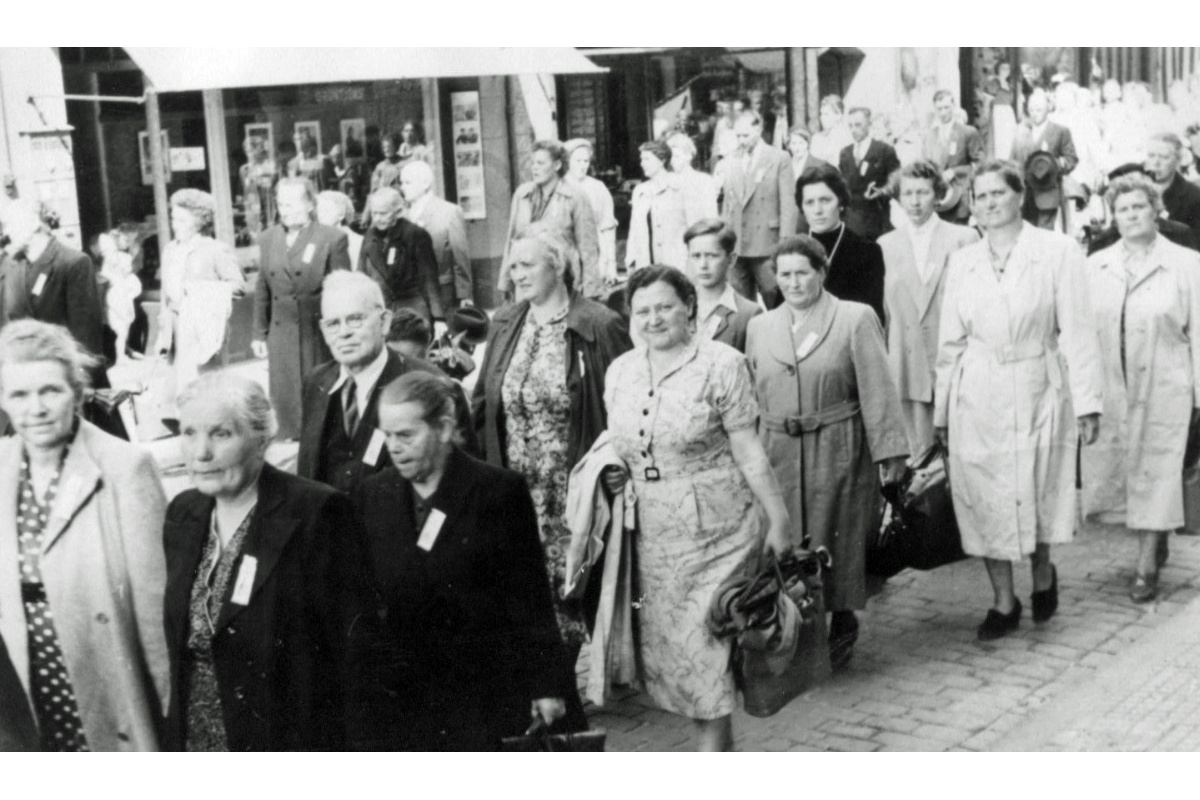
(49, 684)
(205, 722)
(537, 411)
(698, 521)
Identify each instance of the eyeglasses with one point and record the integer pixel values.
(352, 322)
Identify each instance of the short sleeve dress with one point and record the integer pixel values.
(698, 521)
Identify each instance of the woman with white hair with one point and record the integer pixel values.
(700, 190)
(200, 278)
(81, 557)
(336, 210)
(253, 607)
(579, 163)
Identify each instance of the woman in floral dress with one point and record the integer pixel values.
(538, 404)
(682, 415)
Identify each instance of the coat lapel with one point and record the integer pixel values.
(12, 611)
(722, 317)
(906, 270)
(268, 535)
(79, 480)
(939, 245)
(454, 485)
(816, 325)
(779, 336)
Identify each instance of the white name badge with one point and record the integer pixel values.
(953, 150)
(391, 259)
(863, 169)
(374, 448)
(429, 533)
(39, 285)
(310, 250)
(807, 345)
(1045, 147)
(245, 581)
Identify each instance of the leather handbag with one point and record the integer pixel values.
(766, 685)
(919, 530)
(538, 739)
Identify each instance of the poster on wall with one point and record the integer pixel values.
(310, 129)
(260, 135)
(468, 154)
(144, 157)
(354, 137)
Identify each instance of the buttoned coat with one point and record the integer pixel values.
(868, 218)
(657, 221)
(287, 310)
(569, 213)
(1149, 396)
(1055, 140)
(1018, 362)
(103, 569)
(828, 475)
(914, 306)
(62, 290)
(760, 203)
(280, 657)
(467, 636)
(961, 151)
(447, 227)
(731, 325)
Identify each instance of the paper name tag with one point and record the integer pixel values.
(39, 285)
(1045, 146)
(863, 169)
(391, 259)
(245, 581)
(310, 250)
(68, 496)
(807, 345)
(953, 147)
(374, 448)
(429, 533)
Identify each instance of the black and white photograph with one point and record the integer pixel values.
(602, 399)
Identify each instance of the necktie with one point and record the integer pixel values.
(539, 204)
(350, 407)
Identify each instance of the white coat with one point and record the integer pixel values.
(1006, 394)
(1138, 459)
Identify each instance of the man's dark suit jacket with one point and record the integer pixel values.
(1182, 203)
(68, 295)
(468, 636)
(1174, 231)
(317, 405)
(279, 659)
(731, 330)
(403, 262)
(868, 218)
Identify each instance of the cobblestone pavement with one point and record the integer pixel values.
(919, 680)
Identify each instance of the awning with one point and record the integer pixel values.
(182, 69)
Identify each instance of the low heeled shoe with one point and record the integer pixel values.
(1045, 602)
(997, 625)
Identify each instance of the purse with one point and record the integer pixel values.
(766, 685)
(920, 530)
(539, 739)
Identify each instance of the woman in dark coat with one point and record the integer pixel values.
(296, 256)
(468, 649)
(254, 598)
(539, 403)
(855, 263)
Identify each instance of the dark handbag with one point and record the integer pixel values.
(765, 690)
(920, 532)
(539, 739)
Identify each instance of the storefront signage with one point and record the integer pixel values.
(468, 153)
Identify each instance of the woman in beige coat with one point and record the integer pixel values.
(81, 559)
(1145, 293)
(1015, 316)
(659, 215)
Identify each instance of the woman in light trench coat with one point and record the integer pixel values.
(1016, 307)
(1146, 296)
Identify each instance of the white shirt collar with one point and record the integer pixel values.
(728, 299)
(364, 381)
(863, 146)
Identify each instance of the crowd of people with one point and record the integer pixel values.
(791, 330)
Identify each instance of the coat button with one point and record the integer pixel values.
(123, 736)
(645, 412)
(102, 618)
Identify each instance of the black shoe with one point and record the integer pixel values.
(998, 625)
(1045, 602)
(843, 633)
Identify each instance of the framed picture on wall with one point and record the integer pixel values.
(313, 129)
(468, 154)
(264, 133)
(144, 157)
(354, 137)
